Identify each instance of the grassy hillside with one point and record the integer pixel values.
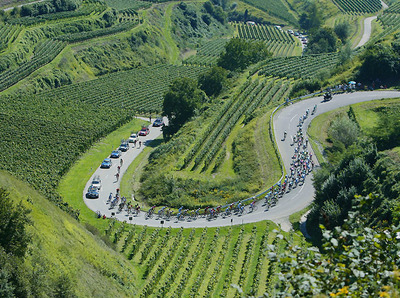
(62, 246)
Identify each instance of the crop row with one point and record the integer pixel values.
(85, 10)
(213, 48)
(81, 36)
(394, 8)
(8, 33)
(44, 54)
(391, 24)
(307, 66)
(263, 32)
(140, 89)
(359, 6)
(222, 123)
(201, 263)
(263, 92)
(281, 49)
(201, 60)
(274, 7)
(205, 135)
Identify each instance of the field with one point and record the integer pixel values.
(390, 23)
(200, 262)
(359, 6)
(307, 66)
(275, 8)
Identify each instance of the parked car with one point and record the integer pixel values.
(144, 131)
(106, 164)
(132, 138)
(124, 146)
(115, 153)
(158, 122)
(92, 193)
(96, 182)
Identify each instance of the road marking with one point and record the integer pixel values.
(295, 116)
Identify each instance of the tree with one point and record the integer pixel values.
(213, 81)
(312, 18)
(240, 53)
(342, 31)
(14, 238)
(344, 130)
(323, 40)
(180, 103)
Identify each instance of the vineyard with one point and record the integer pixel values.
(8, 33)
(394, 8)
(279, 42)
(207, 54)
(263, 32)
(253, 94)
(275, 8)
(390, 23)
(139, 90)
(85, 10)
(37, 132)
(44, 53)
(307, 66)
(200, 262)
(359, 6)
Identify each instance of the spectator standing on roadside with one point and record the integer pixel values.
(121, 162)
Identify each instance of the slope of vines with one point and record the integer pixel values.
(202, 262)
(359, 6)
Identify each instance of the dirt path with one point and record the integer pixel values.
(367, 31)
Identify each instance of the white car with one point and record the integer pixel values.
(96, 182)
(132, 138)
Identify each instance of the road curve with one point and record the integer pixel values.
(367, 31)
(284, 119)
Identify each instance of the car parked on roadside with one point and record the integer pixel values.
(144, 131)
(124, 146)
(115, 154)
(106, 164)
(132, 138)
(158, 122)
(92, 193)
(96, 182)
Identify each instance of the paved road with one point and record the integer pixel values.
(367, 31)
(285, 119)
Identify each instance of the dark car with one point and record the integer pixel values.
(115, 154)
(144, 131)
(106, 164)
(158, 122)
(92, 193)
(124, 147)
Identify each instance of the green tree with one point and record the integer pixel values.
(312, 18)
(342, 31)
(213, 81)
(344, 130)
(240, 53)
(323, 40)
(180, 103)
(13, 221)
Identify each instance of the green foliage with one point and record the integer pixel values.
(180, 103)
(359, 6)
(312, 18)
(354, 261)
(323, 40)
(342, 30)
(387, 134)
(14, 238)
(344, 130)
(304, 67)
(304, 87)
(213, 81)
(380, 62)
(240, 53)
(276, 8)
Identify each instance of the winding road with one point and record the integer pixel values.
(300, 197)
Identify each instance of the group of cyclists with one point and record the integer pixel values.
(301, 165)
